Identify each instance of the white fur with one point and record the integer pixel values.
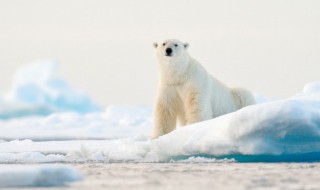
(188, 93)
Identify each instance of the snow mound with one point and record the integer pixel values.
(287, 130)
(37, 91)
(38, 175)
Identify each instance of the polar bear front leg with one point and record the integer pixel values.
(192, 107)
(165, 117)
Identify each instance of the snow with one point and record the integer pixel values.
(37, 91)
(287, 129)
(284, 130)
(37, 175)
(72, 129)
(114, 122)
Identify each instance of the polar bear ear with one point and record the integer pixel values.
(186, 45)
(155, 44)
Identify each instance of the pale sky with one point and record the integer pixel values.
(105, 47)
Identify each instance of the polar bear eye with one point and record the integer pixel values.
(164, 44)
(176, 45)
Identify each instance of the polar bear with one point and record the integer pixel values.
(187, 92)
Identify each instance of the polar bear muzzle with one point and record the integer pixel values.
(168, 52)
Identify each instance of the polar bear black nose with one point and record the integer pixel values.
(168, 51)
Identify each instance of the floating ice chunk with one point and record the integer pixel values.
(37, 175)
(16, 110)
(36, 90)
(312, 87)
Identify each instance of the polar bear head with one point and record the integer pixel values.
(170, 50)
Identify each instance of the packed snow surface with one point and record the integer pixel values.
(37, 175)
(271, 131)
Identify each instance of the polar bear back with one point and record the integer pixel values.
(219, 97)
(216, 97)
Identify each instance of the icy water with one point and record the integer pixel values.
(196, 176)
